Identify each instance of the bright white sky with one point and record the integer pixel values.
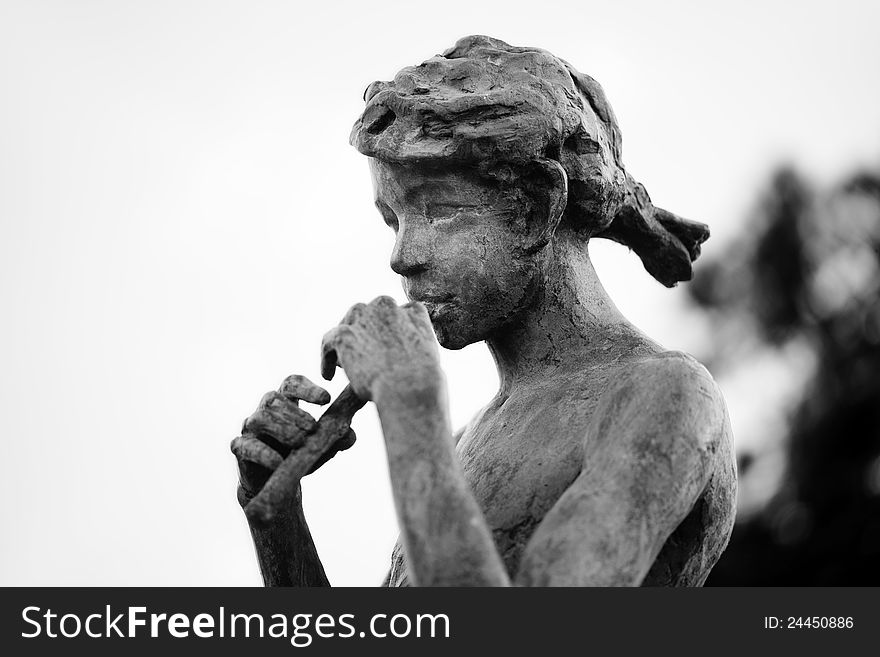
(181, 219)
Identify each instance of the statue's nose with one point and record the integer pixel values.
(411, 251)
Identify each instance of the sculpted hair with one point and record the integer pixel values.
(485, 104)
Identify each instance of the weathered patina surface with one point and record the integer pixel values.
(603, 459)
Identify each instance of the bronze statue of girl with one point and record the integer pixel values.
(603, 459)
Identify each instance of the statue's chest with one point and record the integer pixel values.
(521, 458)
(518, 460)
(517, 466)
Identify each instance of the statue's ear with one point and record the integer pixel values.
(547, 184)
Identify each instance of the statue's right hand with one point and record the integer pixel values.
(277, 427)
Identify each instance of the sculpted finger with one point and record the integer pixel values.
(287, 429)
(283, 409)
(297, 387)
(329, 359)
(335, 343)
(249, 448)
(384, 302)
(353, 313)
(266, 399)
(416, 309)
(419, 316)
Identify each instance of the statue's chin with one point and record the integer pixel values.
(448, 337)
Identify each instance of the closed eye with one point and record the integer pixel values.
(444, 210)
(447, 207)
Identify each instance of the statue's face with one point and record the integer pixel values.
(458, 247)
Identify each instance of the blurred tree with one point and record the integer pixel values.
(807, 271)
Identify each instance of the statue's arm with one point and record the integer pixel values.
(651, 451)
(443, 531)
(285, 550)
(455, 440)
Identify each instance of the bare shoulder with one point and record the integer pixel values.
(656, 453)
(670, 367)
(666, 403)
(675, 385)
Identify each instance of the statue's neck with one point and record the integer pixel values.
(571, 325)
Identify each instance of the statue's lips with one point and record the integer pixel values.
(434, 303)
(427, 298)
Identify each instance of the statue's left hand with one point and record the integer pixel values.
(383, 348)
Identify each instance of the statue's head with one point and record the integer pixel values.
(480, 158)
